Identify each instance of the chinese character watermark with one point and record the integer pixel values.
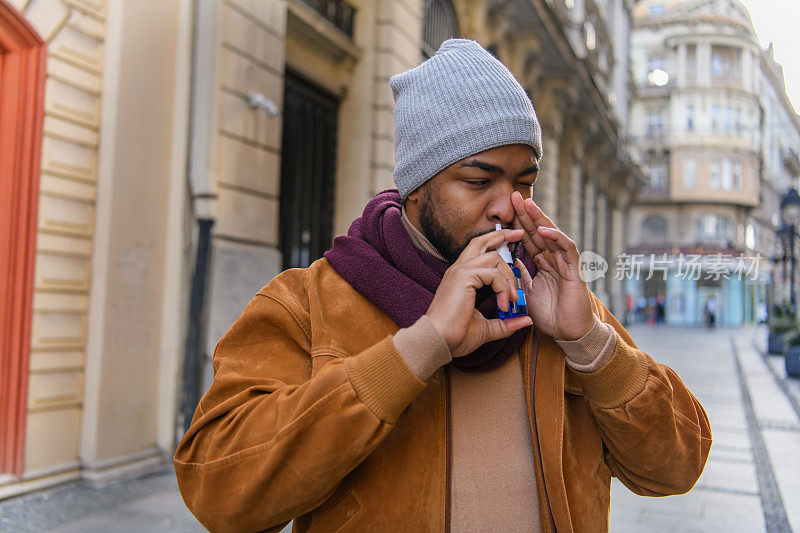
(714, 267)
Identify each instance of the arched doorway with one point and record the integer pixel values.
(22, 78)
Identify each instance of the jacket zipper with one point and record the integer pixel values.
(448, 449)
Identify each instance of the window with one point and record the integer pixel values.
(655, 123)
(724, 119)
(738, 176)
(750, 236)
(719, 66)
(713, 227)
(656, 62)
(714, 176)
(659, 178)
(716, 117)
(657, 70)
(657, 9)
(727, 175)
(689, 174)
(439, 23)
(690, 118)
(654, 228)
(725, 61)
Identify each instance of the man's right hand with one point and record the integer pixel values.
(453, 311)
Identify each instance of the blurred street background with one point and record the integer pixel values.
(162, 161)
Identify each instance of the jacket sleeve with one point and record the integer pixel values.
(278, 430)
(656, 433)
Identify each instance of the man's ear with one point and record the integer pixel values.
(412, 198)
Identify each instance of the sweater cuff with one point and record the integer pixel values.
(422, 348)
(619, 380)
(382, 380)
(592, 351)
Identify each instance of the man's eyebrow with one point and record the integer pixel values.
(488, 167)
(533, 169)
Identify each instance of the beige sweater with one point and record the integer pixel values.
(493, 486)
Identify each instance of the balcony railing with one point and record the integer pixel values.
(339, 12)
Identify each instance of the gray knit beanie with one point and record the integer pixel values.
(458, 103)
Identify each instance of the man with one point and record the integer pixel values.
(376, 390)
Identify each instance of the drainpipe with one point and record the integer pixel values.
(203, 197)
(202, 128)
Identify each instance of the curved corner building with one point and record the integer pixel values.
(720, 140)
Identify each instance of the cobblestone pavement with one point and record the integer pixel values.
(750, 484)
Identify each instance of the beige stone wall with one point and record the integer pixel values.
(251, 59)
(681, 222)
(140, 159)
(702, 192)
(399, 25)
(102, 369)
(75, 33)
(258, 41)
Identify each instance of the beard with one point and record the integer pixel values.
(441, 239)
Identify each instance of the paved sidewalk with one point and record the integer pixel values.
(149, 504)
(751, 482)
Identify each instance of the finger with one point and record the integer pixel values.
(480, 276)
(565, 268)
(539, 219)
(536, 214)
(566, 245)
(532, 241)
(493, 260)
(525, 276)
(489, 241)
(503, 328)
(546, 264)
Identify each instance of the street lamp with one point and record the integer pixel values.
(790, 217)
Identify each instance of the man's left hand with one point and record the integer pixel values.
(558, 299)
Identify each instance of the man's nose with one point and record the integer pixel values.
(501, 210)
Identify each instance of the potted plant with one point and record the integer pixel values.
(779, 325)
(792, 352)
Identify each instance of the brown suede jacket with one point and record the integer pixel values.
(313, 415)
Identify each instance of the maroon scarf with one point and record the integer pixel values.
(378, 258)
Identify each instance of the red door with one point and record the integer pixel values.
(22, 78)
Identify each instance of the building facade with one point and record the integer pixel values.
(190, 151)
(87, 393)
(707, 97)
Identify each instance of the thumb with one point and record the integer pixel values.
(502, 328)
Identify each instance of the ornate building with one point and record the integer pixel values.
(192, 150)
(708, 104)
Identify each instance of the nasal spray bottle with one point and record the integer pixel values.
(518, 308)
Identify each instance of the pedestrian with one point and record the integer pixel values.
(377, 390)
(660, 310)
(642, 309)
(711, 312)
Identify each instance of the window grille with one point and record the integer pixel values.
(439, 23)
